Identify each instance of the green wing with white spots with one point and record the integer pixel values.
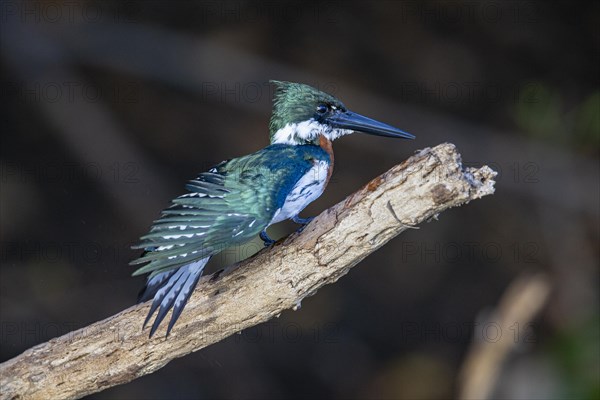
(228, 205)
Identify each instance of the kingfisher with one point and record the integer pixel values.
(240, 198)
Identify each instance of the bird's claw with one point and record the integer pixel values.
(302, 221)
(266, 239)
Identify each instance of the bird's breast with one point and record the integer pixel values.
(310, 186)
(326, 145)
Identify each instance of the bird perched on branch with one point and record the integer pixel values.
(240, 198)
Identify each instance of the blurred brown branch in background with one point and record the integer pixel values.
(519, 305)
(116, 350)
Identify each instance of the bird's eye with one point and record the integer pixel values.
(322, 108)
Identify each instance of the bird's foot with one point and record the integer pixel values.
(302, 221)
(266, 239)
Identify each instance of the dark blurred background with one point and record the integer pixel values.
(109, 107)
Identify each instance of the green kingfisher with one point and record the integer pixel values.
(240, 198)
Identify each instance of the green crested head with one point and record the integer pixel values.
(301, 114)
(297, 109)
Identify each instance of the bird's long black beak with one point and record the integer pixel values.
(359, 123)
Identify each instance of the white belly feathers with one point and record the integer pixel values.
(307, 190)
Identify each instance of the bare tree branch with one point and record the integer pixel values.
(521, 302)
(116, 350)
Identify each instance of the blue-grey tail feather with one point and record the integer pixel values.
(171, 289)
(153, 284)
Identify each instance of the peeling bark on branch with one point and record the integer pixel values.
(116, 350)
